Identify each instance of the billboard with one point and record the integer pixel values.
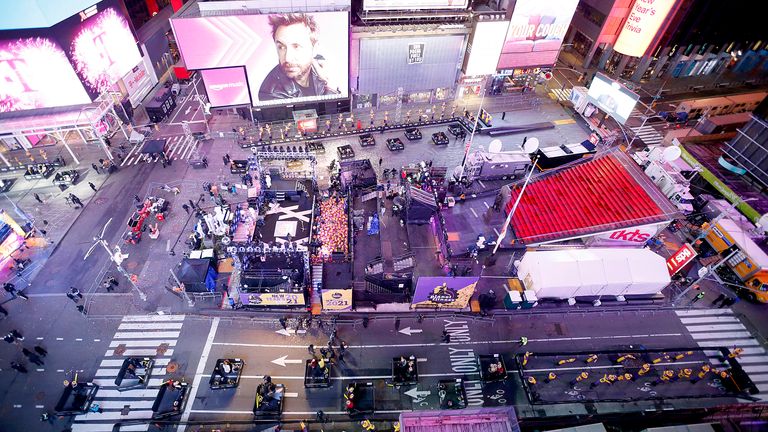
(680, 259)
(372, 5)
(337, 299)
(272, 299)
(487, 42)
(288, 58)
(36, 73)
(226, 86)
(101, 47)
(444, 292)
(536, 32)
(612, 97)
(644, 20)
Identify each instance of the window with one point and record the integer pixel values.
(591, 14)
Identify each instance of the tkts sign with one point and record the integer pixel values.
(628, 236)
(680, 259)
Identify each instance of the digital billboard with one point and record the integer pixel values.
(641, 26)
(536, 32)
(443, 292)
(35, 73)
(413, 4)
(101, 47)
(612, 97)
(226, 86)
(288, 58)
(487, 41)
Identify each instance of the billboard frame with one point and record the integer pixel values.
(205, 87)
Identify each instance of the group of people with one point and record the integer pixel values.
(332, 229)
(35, 355)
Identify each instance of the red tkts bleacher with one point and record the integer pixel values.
(592, 197)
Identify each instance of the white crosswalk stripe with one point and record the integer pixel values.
(136, 336)
(720, 328)
(179, 147)
(647, 134)
(561, 94)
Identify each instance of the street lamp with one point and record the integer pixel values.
(116, 257)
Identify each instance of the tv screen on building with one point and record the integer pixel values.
(36, 73)
(226, 86)
(536, 32)
(288, 58)
(612, 97)
(373, 5)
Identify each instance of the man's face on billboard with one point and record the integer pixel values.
(295, 50)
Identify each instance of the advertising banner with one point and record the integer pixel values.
(641, 26)
(101, 47)
(36, 73)
(612, 97)
(337, 299)
(536, 32)
(288, 58)
(413, 4)
(443, 292)
(226, 86)
(415, 53)
(487, 42)
(272, 299)
(680, 259)
(636, 236)
(137, 83)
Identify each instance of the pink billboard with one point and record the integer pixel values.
(299, 57)
(35, 73)
(226, 86)
(536, 32)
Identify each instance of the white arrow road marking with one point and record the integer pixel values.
(409, 331)
(283, 360)
(417, 394)
(291, 395)
(286, 332)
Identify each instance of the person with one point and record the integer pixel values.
(727, 302)
(93, 186)
(95, 168)
(9, 338)
(18, 367)
(73, 298)
(283, 323)
(320, 415)
(34, 358)
(523, 341)
(15, 333)
(75, 292)
(311, 349)
(718, 299)
(45, 417)
(37, 197)
(301, 71)
(698, 297)
(446, 337)
(41, 351)
(81, 309)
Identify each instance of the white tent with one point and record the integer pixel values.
(563, 274)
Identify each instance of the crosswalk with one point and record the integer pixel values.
(137, 335)
(715, 328)
(562, 95)
(647, 134)
(179, 147)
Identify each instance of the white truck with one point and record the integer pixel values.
(593, 272)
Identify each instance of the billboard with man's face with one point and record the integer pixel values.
(536, 32)
(288, 58)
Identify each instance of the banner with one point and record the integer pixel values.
(337, 299)
(272, 299)
(680, 259)
(415, 53)
(443, 292)
(642, 24)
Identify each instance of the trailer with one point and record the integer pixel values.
(483, 165)
(593, 272)
(555, 156)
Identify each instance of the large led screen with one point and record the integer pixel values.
(641, 26)
(102, 48)
(536, 32)
(288, 58)
(226, 86)
(487, 40)
(612, 97)
(35, 73)
(413, 4)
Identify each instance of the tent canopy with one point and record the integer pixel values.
(197, 275)
(590, 272)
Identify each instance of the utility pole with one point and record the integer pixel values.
(116, 257)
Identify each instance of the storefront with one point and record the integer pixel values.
(471, 86)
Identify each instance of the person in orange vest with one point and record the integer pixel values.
(565, 361)
(705, 369)
(525, 357)
(734, 354)
(625, 357)
(684, 374)
(681, 356)
(531, 380)
(665, 377)
(579, 378)
(644, 369)
(591, 358)
(626, 376)
(550, 377)
(663, 357)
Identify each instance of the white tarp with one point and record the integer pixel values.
(563, 274)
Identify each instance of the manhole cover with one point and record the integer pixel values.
(120, 349)
(162, 348)
(101, 201)
(172, 367)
